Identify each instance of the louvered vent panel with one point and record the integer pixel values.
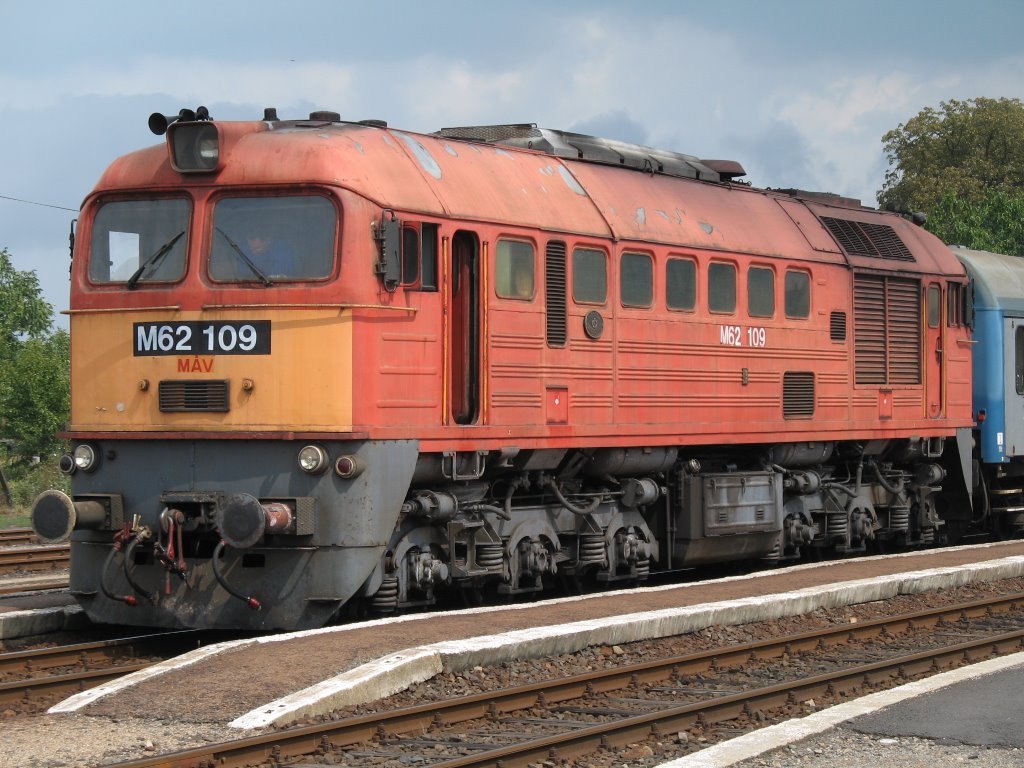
(904, 331)
(491, 132)
(849, 235)
(887, 242)
(837, 326)
(869, 329)
(857, 238)
(194, 396)
(554, 290)
(887, 330)
(797, 394)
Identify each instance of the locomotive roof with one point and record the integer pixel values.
(578, 146)
(998, 279)
(557, 182)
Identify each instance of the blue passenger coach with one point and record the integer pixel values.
(998, 388)
(999, 353)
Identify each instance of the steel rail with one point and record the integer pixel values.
(729, 707)
(17, 588)
(17, 536)
(35, 660)
(34, 558)
(73, 682)
(321, 737)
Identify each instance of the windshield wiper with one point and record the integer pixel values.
(248, 262)
(152, 260)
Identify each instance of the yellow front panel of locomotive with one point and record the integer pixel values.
(284, 370)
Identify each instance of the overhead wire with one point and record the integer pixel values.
(33, 202)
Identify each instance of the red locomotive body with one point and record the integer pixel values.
(500, 355)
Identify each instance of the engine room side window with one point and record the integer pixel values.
(681, 284)
(589, 276)
(721, 287)
(139, 241)
(272, 239)
(636, 280)
(514, 270)
(760, 292)
(798, 294)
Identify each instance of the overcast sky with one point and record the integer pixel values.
(800, 92)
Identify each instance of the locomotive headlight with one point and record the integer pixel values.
(208, 151)
(313, 459)
(195, 147)
(66, 464)
(85, 457)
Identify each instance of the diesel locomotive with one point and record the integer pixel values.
(323, 367)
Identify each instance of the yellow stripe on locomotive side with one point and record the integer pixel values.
(284, 370)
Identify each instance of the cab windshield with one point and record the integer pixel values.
(272, 239)
(139, 240)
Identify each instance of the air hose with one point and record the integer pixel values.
(252, 602)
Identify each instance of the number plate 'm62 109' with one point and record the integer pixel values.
(227, 337)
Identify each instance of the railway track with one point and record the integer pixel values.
(17, 536)
(15, 559)
(674, 704)
(17, 588)
(31, 680)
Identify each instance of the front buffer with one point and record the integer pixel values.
(242, 534)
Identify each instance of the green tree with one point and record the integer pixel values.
(35, 392)
(994, 223)
(964, 148)
(34, 364)
(22, 309)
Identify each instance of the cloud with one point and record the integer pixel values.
(615, 124)
(777, 154)
(841, 119)
(844, 105)
(434, 91)
(191, 79)
(795, 106)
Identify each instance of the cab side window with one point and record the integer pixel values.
(419, 256)
(410, 256)
(934, 306)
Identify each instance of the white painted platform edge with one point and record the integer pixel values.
(728, 753)
(87, 697)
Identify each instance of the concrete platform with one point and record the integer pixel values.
(37, 613)
(975, 706)
(602, 619)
